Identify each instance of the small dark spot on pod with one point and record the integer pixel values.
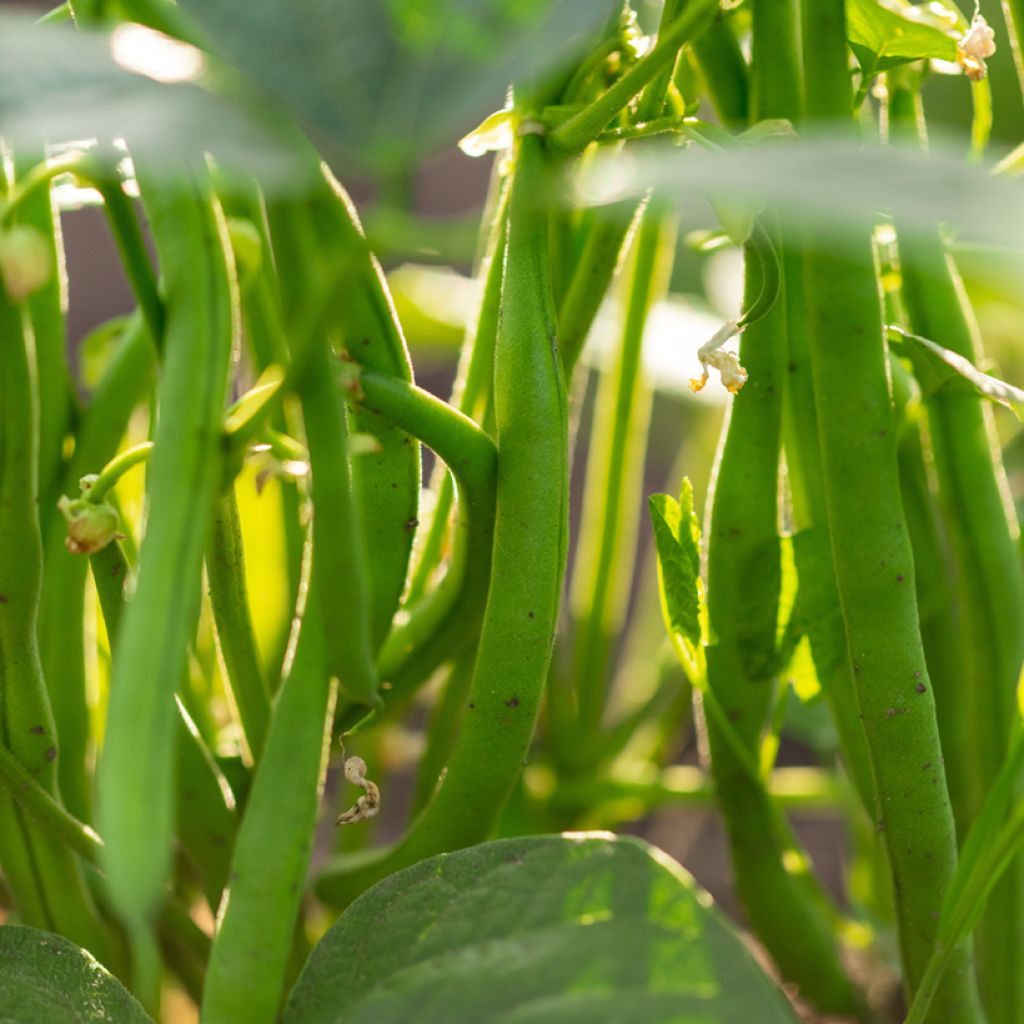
(51, 754)
(856, 668)
(3, 599)
(899, 579)
(791, 367)
(532, 615)
(890, 713)
(411, 524)
(512, 702)
(921, 688)
(472, 706)
(38, 729)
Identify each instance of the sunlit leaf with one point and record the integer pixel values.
(383, 81)
(839, 183)
(677, 540)
(883, 36)
(45, 979)
(59, 85)
(992, 388)
(569, 929)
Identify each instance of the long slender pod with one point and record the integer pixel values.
(255, 928)
(606, 549)
(471, 393)
(386, 481)
(46, 307)
(136, 780)
(786, 909)
(44, 877)
(205, 821)
(446, 622)
(61, 632)
(225, 571)
(529, 554)
(973, 494)
(872, 554)
(46, 317)
(338, 546)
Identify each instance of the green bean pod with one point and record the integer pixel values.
(338, 543)
(529, 555)
(46, 309)
(387, 481)
(61, 639)
(136, 781)
(45, 879)
(206, 821)
(225, 571)
(989, 583)
(246, 973)
(446, 622)
(873, 558)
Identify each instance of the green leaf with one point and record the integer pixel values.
(884, 36)
(840, 182)
(677, 539)
(45, 979)
(58, 85)
(944, 360)
(568, 929)
(385, 81)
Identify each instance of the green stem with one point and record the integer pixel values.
(606, 549)
(104, 481)
(225, 570)
(579, 131)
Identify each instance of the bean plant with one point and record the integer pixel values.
(294, 730)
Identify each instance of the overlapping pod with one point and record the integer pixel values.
(529, 554)
(136, 779)
(873, 557)
(44, 877)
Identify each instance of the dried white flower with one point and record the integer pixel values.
(972, 50)
(727, 364)
(368, 805)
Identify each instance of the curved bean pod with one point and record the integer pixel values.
(135, 775)
(529, 555)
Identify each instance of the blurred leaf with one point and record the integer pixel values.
(58, 85)
(883, 37)
(45, 979)
(992, 388)
(546, 930)
(677, 539)
(839, 183)
(385, 81)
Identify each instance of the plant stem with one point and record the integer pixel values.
(579, 131)
(606, 548)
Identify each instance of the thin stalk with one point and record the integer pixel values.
(606, 549)
(580, 130)
(236, 643)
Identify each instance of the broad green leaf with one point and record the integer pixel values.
(883, 36)
(677, 540)
(384, 81)
(992, 388)
(59, 85)
(838, 183)
(569, 929)
(45, 979)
